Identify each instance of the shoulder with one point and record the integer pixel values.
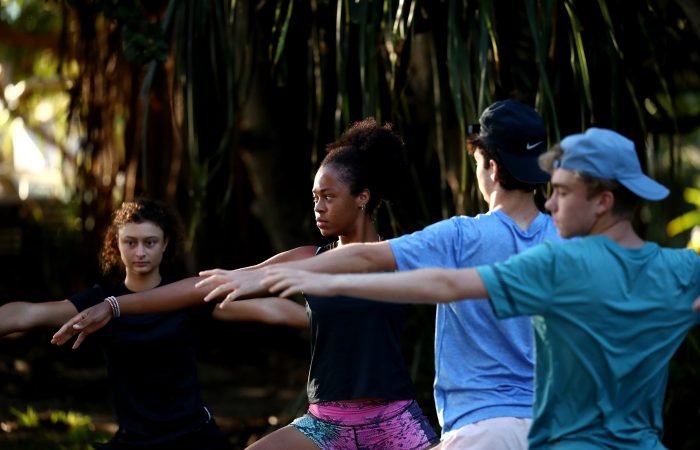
(685, 262)
(461, 225)
(294, 254)
(684, 255)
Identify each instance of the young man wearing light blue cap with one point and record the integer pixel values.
(609, 309)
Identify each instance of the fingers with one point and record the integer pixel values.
(207, 281)
(84, 323)
(214, 277)
(290, 291)
(94, 318)
(220, 290)
(79, 340)
(232, 297)
(285, 282)
(67, 331)
(218, 280)
(210, 272)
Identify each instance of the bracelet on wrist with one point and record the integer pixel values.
(114, 305)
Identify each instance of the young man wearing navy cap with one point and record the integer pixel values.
(483, 366)
(609, 309)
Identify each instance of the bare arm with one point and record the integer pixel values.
(188, 292)
(23, 316)
(367, 257)
(269, 310)
(170, 297)
(411, 286)
(173, 296)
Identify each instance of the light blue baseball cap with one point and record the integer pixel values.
(605, 154)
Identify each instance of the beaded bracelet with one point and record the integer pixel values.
(114, 304)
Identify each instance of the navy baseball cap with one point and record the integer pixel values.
(517, 132)
(605, 154)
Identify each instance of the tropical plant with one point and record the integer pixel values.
(225, 107)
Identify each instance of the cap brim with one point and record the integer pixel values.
(645, 187)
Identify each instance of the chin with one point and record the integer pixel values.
(566, 235)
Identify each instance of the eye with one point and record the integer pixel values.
(315, 199)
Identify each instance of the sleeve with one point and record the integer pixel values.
(438, 245)
(524, 284)
(91, 297)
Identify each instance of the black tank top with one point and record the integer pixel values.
(356, 349)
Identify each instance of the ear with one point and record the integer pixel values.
(605, 202)
(362, 198)
(494, 171)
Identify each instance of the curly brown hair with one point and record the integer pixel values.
(140, 211)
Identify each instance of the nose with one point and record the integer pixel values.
(140, 249)
(319, 206)
(550, 204)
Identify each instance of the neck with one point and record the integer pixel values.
(518, 205)
(363, 232)
(617, 229)
(141, 282)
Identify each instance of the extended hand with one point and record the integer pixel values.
(286, 282)
(234, 284)
(84, 323)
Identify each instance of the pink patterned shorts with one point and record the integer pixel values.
(371, 425)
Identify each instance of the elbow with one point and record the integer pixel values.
(450, 288)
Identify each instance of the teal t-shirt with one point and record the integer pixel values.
(607, 320)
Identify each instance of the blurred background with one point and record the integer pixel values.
(224, 108)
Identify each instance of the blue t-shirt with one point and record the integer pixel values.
(483, 366)
(607, 321)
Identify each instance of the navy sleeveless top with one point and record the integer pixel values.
(356, 349)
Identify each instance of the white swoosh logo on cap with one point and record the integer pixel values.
(531, 146)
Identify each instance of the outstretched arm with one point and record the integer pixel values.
(173, 296)
(269, 310)
(367, 257)
(23, 316)
(411, 286)
(188, 292)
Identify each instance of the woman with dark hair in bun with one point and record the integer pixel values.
(360, 393)
(359, 390)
